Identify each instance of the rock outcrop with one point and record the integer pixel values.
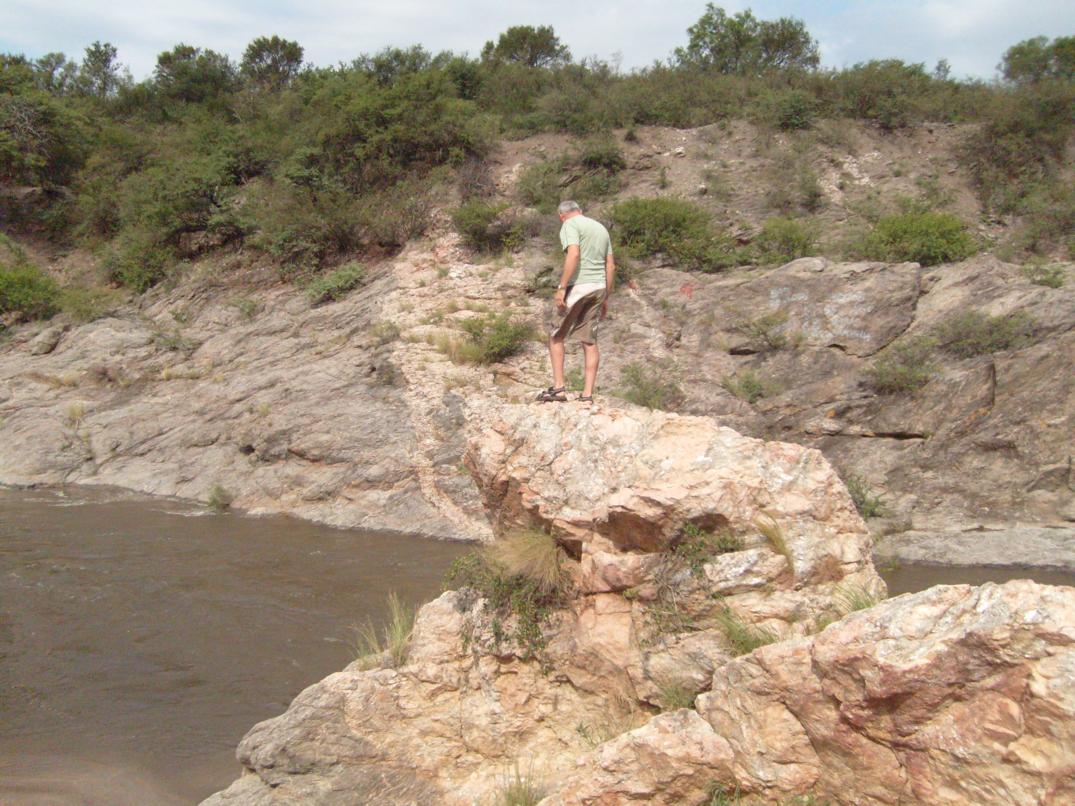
(956, 695)
(643, 687)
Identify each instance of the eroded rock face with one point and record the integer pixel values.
(956, 695)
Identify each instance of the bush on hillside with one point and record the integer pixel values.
(784, 239)
(336, 284)
(926, 238)
(903, 367)
(673, 227)
(488, 226)
(974, 333)
(27, 291)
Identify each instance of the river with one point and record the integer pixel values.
(141, 638)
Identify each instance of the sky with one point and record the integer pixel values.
(971, 34)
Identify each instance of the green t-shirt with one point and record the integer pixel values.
(594, 245)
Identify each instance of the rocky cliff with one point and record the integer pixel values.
(634, 692)
(349, 413)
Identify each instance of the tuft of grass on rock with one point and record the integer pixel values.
(851, 598)
(675, 695)
(649, 388)
(519, 788)
(867, 504)
(1044, 274)
(220, 498)
(489, 338)
(697, 546)
(336, 284)
(904, 367)
(764, 333)
(392, 641)
(523, 578)
(742, 638)
(973, 333)
(747, 385)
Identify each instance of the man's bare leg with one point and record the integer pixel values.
(592, 357)
(556, 354)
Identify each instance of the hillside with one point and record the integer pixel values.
(228, 382)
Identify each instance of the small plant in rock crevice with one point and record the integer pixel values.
(220, 498)
(392, 642)
(866, 502)
(697, 546)
(741, 637)
(973, 333)
(521, 576)
(903, 367)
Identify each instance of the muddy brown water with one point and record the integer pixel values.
(141, 638)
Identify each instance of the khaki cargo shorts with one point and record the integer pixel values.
(582, 318)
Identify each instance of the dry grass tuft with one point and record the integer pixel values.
(530, 553)
(371, 645)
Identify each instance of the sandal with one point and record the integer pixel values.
(553, 395)
(584, 398)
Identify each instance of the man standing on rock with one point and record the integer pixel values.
(581, 297)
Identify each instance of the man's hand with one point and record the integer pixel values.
(604, 309)
(561, 299)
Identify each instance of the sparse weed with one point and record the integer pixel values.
(697, 546)
(763, 332)
(391, 641)
(220, 499)
(335, 285)
(867, 504)
(974, 333)
(1042, 274)
(742, 638)
(649, 388)
(903, 367)
(748, 385)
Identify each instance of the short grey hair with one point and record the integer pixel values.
(568, 207)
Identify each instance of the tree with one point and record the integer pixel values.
(99, 73)
(744, 45)
(191, 74)
(271, 62)
(55, 74)
(1037, 59)
(525, 44)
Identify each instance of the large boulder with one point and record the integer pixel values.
(956, 695)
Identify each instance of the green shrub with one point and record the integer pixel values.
(763, 333)
(903, 367)
(1021, 145)
(1041, 274)
(539, 185)
(788, 109)
(510, 590)
(782, 240)
(867, 504)
(696, 546)
(673, 227)
(974, 333)
(392, 217)
(28, 291)
(85, 304)
(392, 640)
(648, 388)
(335, 285)
(220, 499)
(601, 154)
(487, 226)
(748, 385)
(927, 238)
(489, 338)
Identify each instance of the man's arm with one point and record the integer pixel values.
(610, 282)
(571, 262)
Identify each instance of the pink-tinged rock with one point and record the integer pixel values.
(956, 695)
(674, 758)
(632, 479)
